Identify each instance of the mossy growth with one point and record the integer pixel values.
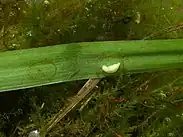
(140, 105)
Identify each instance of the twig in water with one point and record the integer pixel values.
(89, 85)
(167, 30)
(116, 134)
(86, 102)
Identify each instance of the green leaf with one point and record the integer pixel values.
(76, 61)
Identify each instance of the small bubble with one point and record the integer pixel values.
(163, 8)
(13, 35)
(19, 8)
(171, 8)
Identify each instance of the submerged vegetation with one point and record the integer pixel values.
(136, 105)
